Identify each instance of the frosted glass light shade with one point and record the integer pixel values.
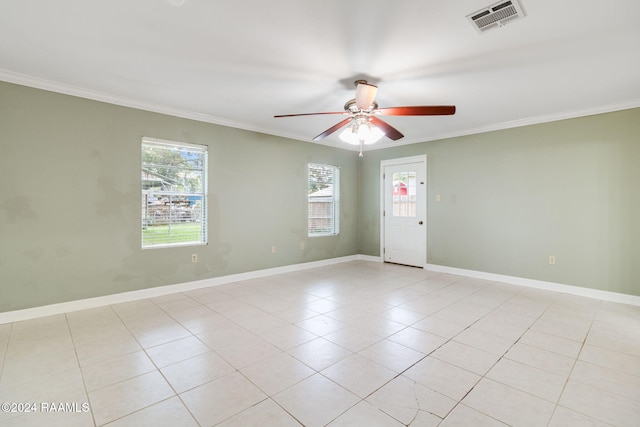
(366, 132)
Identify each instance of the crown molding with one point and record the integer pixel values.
(546, 118)
(38, 83)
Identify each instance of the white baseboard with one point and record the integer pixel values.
(84, 304)
(539, 284)
(70, 306)
(370, 258)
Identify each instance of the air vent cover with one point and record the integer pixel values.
(496, 15)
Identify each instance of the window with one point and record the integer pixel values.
(174, 193)
(404, 194)
(323, 200)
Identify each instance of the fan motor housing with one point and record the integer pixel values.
(351, 107)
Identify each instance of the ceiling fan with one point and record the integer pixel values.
(364, 126)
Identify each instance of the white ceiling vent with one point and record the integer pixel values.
(496, 15)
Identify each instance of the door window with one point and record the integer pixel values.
(404, 194)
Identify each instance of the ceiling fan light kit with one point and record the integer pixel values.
(364, 127)
(361, 132)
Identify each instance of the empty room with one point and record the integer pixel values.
(337, 213)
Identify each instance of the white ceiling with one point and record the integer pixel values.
(240, 62)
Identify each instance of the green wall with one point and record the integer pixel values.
(70, 200)
(512, 198)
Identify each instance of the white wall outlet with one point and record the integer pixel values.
(302, 246)
(194, 258)
(273, 249)
(552, 259)
(438, 198)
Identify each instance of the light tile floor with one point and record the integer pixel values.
(354, 344)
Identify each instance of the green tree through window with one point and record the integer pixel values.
(174, 197)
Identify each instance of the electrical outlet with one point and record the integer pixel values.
(194, 258)
(273, 249)
(302, 246)
(552, 259)
(438, 197)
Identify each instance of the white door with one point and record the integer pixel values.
(404, 212)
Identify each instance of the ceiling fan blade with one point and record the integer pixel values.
(365, 95)
(424, 110)
(391, 132)
(311, 114)
(332, 129)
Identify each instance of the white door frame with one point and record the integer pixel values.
(401, 161)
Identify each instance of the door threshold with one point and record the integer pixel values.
(405, 265)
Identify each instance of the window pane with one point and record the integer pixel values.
(173, 169)
(173, 194)
(322, 200)
(404, 194)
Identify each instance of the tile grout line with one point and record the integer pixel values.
(484, 376)
(75, 352)
(144, 350)
(236, 370)
(582, 344)
(6, 351)
(426, 355)
(556, 303)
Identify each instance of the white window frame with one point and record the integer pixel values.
(199, 211)
(330, 198)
